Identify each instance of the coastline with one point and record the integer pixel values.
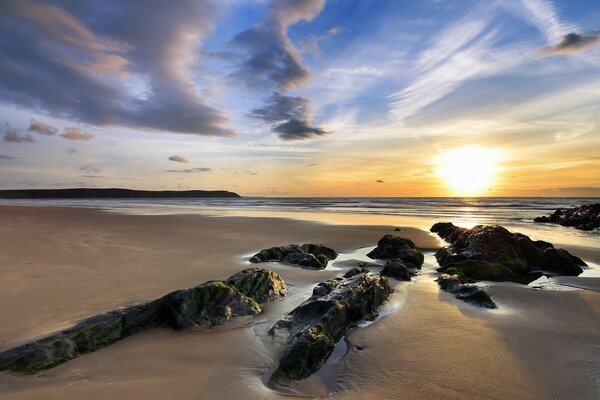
(61, 264)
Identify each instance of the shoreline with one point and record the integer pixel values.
(61, 264)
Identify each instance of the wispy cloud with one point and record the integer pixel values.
(189, 170)
(544, 16)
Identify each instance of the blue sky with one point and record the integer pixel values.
(299, 97)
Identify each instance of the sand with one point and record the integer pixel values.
(58, 265)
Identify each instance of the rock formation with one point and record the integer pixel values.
(313, 328)
(211, 303)
(391, 247)
(491, 252)
(585, 217)
(314, 256)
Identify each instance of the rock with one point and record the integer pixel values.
(397, 230)
(211, 303)
(465, 291)
(586, 217)
(313, 328)
(314, 256)
(395, 247)
(355, 271)
(396, 269)
(262, 285)
(491, 252)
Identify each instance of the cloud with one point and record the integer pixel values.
(8, 158)
(76, 134)
(93, 176)
(270, 61)
(268, 55)
(107, 69)
(178, 159)
(311, 45)
(573, 42)
(379, 181)
(41, 128)
(71, 150)
(189, 170)
(89, 169)
(290, 117)
(12, 136)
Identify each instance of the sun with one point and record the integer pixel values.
(469, 170)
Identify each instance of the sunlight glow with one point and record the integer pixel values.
(469, 170)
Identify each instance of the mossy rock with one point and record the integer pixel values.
(308, 353)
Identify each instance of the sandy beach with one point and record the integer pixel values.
(61, 264)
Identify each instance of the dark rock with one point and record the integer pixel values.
(491, 252)
(586, 217)
(465, 291)
(260, 284)
(314, 256)
(313, 328)
(211, 303)
(397, 230)
(395, 247)
(396, 269)
(359, 347)
(355, 271)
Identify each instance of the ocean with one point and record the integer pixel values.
(513, 213)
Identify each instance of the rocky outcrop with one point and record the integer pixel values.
(391, 247)
(262, 285)
(491, 252)
(211, 303)
(465, 291)
(396, 269)
(585, 217)
(314, 256)
(313, 328)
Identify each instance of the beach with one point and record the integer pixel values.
(59, 265)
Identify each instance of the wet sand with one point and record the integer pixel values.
(58, 265)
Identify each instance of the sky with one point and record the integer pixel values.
(302, 97)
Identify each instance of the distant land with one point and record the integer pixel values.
(111, 193)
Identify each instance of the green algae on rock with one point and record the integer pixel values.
(313, 328)
(209, 304)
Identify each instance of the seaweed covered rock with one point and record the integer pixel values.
(314, 256)
(465, 291)
(396, 269)
(260, 284)
(491, 252)
(313, 328)
(586, 217)
(391, 247)
(211, 303)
